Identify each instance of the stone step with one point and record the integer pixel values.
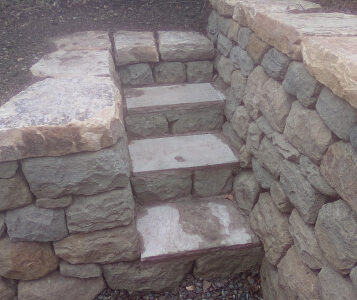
(171, 167)
(173, 109)
(181, 228)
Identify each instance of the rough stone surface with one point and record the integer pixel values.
(284, 147)
(224, 45)
(148, 124)
(7, 289)
(245, 158)
(298, 82)
(84, 40)
(31, 223)
(269, 157)
(224, 7)
(338, 115)
(170, 72)
(297, 277)
(54, 203)
(26, 260)
(94, 172)
(353, 276)
(341, 159)
(307, 132)
(235, 141)
(336, 229)
(241, 60)
(300, 192)
(107, 246)
(305, 241)
(238, 84)
(246, 190)
(334, 286)
(243, 37)
(199, 71)
(240, 121)
(279, 198)
(57, 287)
(88, 122)
(2, 224)
(353, 137)
(134, 47)
(136, 75)
(225, 68)
(264, 126)
(184, 46)
(256, 48)
(272, 227)
(275, 104)
(102, 211)
(225, 263)
(80, 271)
(275, 63)
(212, 27)
(224, 24)
(254, 138)
(264, 178)
(146, 276)
(233, 31)
(14, 192)
(8, 169)
(211, 182)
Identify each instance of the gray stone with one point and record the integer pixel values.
(226, 263)
(170, 72)
(353, 137)
(242, 61)
(2, 224)
(264, 126)
(298, 82)
(223, 24)
(269, 157)
(305, 241)
(8, 169)
(280, 199)
(80, 173)
(136, 75)
(313, 175)
(14, 192)
(211, 182)
(233, 31)
(353, 276)
(238, 84)
(184, 46)
(336, 229)
(224, 8)
(272, 227)
(338, 115)
(243, 37)
(246, 190)
(57, 287)
(147, 276)
(225, 68)
(264, 178)
(199, 71)
(212, 26)
(146, 124)
(224, 45)
(240, 122)
(334, 286)
(307, 132)
(102, 211)
(245, 158)
(254, 137)
(256, 48)
(300, 192)
(275, 104)
(80, 271)
(163, 186)
(229, 133)
(275, 63)
(54, 203)
(231, 104)
(31, 223)
(7, 289)
(284, 147)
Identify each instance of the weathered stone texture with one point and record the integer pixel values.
(269, 157)
(256, 48)
(241, 60)
(275, 63)
(235, 141)
(246, 190)
(80, 271)
(264, 126)
(212, 26)
(170, 72)
(211, 182)
(245, 158)
(353, 137)
(272, 227)
(353, 276)
(54, 203)
(282, 145)
(238, 84)
(224, 45)
(2, 224)
(8, 169)
(254, 138)
(224, 24)
(225, 68)
(233, 31)
(199, 71)
(279, 198)
(148, 124)
(7, 289)
(84, 40)
(336, 231)
(240, 122)
(243, 37)
(224, 7)
(136, 75)
(264, 178)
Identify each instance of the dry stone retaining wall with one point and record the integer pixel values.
(291, 115)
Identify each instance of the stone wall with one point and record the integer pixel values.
(292, 118)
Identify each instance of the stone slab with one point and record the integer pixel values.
(59, 116)
(84, 40)
(163, 97)
(173, 229)
(134, 47)
(178, 152)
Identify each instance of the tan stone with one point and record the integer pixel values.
(84, 40)
(256, 48)
(26, 260)
(339, 167)
(333, 61)
(224, 7)
(233, 31)
(107, 246)
(80, 270)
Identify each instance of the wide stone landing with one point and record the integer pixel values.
(54, 117)
(189, 227)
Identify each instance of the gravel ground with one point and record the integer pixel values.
(245, 286)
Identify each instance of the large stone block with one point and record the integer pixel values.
(224, 45)
(106, 246)
(241, 60)
(101, 211)
(211, 182)
(307, 132)
(31, 223)
(57, 287)
(256, 48)
(26, 260)
(80, 174)
(7, 289)
(264, 178)
(170, 72)
(300, 192)
(279, 198)
(225, 68)
(136, 75)
(184, 46)
(8, 169)
(199, 71)
(275, 64)
(272, 227)
(339, 167)
(246, 190)
(80, 271)
(336, 229)
(146, 124)
(240, 121)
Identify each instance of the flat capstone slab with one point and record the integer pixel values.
(162, 97)
(55, 117)
(176, 228)
(180, 152)
(84, 40)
